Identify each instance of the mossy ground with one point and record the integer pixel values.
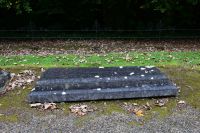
(182, 69)
(9, 118)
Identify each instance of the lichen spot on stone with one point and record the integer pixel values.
(63, 93)
(132, 73)
(98, 89)
(97, 76)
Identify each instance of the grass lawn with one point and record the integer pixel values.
(110, 59)
(182, 67)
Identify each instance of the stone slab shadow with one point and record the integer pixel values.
(82, 84)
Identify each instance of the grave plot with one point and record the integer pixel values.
(81, 84)
(4, 77)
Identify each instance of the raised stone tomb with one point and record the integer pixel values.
(81, 84)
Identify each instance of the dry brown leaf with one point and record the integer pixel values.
(79, 113)
(44, 106)
(135, 104)
(42, 69)
(181, 102)
(147, 106)
(139, 113)
(161, 102)
(35, 105)
(49, 106)
(81, 110)
(29, 81)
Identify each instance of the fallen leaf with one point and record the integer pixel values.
(12, 75)
(161, 102)
(49, 106)
(44, 106)
(125, 103)
(139, 113)
(80, 113)
(42, 69)
(181, 102)
(147, 106)
(81, 110)
(35, 105)
(29, 81)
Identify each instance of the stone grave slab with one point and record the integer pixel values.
(82, 84)
(4, 77)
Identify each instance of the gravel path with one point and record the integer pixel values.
(185, 121)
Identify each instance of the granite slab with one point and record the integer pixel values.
(82, 84)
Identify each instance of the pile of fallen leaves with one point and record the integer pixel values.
(78, 109)
(44, 106)
(81, 110)
(21, 79)
(137, 109)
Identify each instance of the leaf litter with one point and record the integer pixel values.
(21, 80)
(93, 46)
(161, 102)
(138, 110)
(44, 106)
(81, 109)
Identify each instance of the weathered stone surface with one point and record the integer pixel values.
(79, 84)
(4, 77)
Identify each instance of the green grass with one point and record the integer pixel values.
(111, 59)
